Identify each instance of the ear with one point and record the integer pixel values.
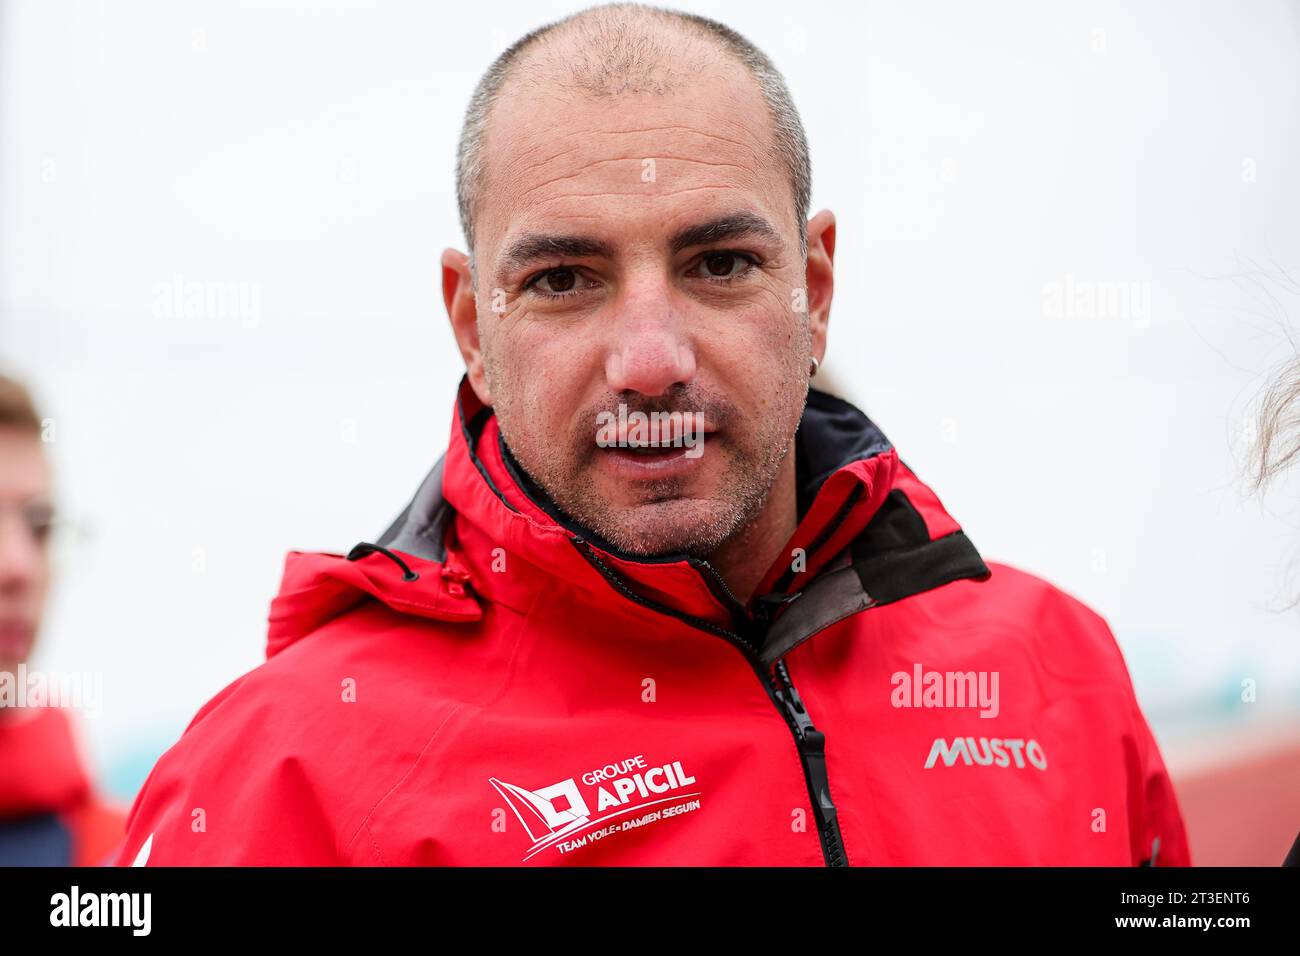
(820, 277)
(462, 311)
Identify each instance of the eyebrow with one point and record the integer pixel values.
(534, 246)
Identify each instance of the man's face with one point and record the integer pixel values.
(597, 285)
(24, 529)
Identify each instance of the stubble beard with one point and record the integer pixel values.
(666, 518)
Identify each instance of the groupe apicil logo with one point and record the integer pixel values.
(560, 815)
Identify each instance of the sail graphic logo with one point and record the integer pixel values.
(626, 796)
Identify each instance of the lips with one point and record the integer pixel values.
(651, 444)
(645, 450)
(651, 463)
(640, 461)
(16, 639)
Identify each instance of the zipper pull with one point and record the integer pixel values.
(794, 704)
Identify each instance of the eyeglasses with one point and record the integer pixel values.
(38, 518)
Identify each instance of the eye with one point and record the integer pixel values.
(724, 266)
(557, 283)
(40, 522)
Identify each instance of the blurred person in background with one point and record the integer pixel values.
(1274, 451)
(50, 812)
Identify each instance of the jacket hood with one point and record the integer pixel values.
(869, 533)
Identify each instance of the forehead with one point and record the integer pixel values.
(635, 162)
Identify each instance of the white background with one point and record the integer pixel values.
(974, 154)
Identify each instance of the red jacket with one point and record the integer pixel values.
(50, 812)
(490, 685)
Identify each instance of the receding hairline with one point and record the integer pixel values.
(633, 53)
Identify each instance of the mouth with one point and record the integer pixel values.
(650, 452)
(651, 460)
(16, 639)
(651, 446)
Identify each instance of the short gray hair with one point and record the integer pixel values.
(624, 52)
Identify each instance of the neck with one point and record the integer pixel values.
(743, 559)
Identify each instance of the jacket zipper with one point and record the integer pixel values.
(739, 616)
(812, 751)
(809, 741)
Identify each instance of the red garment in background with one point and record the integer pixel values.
(50, 813)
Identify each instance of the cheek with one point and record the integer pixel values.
(548, 357)
(761, 348)
(531, 340)
(41, 578)
(536, 388)
(774, 320)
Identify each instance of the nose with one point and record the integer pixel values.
(650, 349)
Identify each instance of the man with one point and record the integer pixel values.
(50, 814)
(659, 603)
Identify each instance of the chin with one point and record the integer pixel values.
(692, 527)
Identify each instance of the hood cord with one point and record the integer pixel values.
(366, 548)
